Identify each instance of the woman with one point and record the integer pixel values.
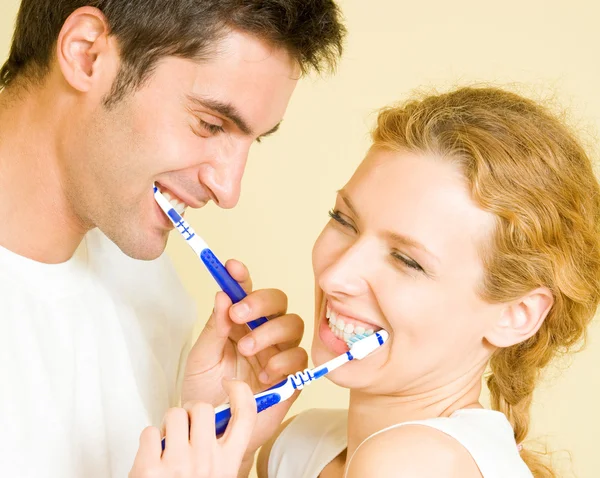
(471, 234)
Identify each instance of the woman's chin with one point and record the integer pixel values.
(342, 376)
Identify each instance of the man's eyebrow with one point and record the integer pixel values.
(224, 109)
(269, 133)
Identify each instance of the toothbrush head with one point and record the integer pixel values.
(364, 347)
(167, 208)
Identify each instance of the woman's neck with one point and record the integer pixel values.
(369, 413)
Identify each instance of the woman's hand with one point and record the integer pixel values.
(191, 447)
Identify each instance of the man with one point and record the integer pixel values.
(101, 99)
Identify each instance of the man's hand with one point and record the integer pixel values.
(226, 349)
(191, 448)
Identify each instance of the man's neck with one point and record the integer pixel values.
(37, 220)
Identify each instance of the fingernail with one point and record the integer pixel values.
(241, 310)
(247, 344)
(263, 377)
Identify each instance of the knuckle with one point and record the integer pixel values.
(149, 433)
(294, 320)
(199, 409)
(301, 355)
(246, 409)
(239, 387)
(283, 297)
(181, 470)
(200, 471)
(176, 414)
(144, 471)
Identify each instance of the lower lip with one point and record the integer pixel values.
(331, 341)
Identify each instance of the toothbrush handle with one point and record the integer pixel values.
(223, 416)
(222, 420)
(227, 283)
(223, 413)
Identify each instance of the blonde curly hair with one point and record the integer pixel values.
(525, 167)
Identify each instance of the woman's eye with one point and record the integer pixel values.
(407, 261)
(336, 216)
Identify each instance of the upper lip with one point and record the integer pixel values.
(347, 312)
(187, 199)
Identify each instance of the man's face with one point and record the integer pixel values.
(189, 128)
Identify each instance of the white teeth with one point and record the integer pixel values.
(345, 331)
(178, 206)
(167, 196)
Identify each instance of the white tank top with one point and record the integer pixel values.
(315, 437)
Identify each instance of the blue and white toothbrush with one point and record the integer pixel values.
(285, 389)
(227, 283)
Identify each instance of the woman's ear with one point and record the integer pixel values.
(521, 319)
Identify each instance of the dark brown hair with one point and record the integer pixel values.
(148, 30)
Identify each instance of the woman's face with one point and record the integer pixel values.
(401, 252)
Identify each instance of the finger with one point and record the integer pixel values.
(284, 332)
(284, 364)
(150, 448)
(202, 425)
(243, 418)
(260, 303)
(177, 432)
(208, 350)
(240, 273)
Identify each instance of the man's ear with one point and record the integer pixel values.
(521, 319)
(81, 43)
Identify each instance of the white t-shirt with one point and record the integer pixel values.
(91, 352)
(315, 437)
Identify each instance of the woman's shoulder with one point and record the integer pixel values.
(413, 450)
(305, 431)
(470, 443)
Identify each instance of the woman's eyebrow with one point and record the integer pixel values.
(390, 235)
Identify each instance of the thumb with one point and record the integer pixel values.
(208, 350)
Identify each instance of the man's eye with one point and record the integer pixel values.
(211, 128)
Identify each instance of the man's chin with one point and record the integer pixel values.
(147, 255)
(145, 248)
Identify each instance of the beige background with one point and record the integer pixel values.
(551, 46)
